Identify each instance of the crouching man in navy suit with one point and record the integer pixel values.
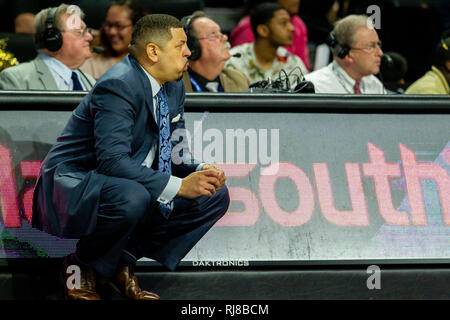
(110, 181)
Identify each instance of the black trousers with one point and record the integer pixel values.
(130, 227)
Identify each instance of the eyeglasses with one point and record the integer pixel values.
(370, 47)
(214, 36)
(80, 32)
(118, 26)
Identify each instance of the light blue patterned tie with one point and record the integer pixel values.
(165, 147)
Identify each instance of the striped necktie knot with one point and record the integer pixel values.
(356, 87)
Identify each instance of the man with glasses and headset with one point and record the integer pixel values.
(62, 41)
(209, 52)
(357, 56)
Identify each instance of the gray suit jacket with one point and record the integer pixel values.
(34, 75)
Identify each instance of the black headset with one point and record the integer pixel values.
(52, 36)
(341, 50)
(192, 42)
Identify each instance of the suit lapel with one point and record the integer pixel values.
(85, 80)
(147, 87)
(44, 75)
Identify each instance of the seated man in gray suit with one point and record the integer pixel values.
(62, 40)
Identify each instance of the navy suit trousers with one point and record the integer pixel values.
(130, 227)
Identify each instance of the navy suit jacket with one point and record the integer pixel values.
(109, 134)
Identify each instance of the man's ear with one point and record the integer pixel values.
(153, 52)
(262, 30)
(349, 57)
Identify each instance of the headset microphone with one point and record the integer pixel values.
(192, 42)
(341, 50)
(52, 37)
(98, 50)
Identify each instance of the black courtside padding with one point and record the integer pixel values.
(242, 102)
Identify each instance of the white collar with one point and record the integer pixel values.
(153, 83)
(58, 67)
(344, 79)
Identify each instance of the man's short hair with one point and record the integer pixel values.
(41, 17)
(153, 28)
(345, 29)
(442, 53)
(262, 14)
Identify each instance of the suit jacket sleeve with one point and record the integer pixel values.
(9, 82)
(114, 107)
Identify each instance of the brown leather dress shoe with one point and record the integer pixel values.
(86, 290)
(126, 282)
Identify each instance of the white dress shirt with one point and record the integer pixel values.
(174, 184)
(334, 79)
(61, 73)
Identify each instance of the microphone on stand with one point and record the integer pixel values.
(387, 58)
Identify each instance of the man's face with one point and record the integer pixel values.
(118, 28)
(281, 29)
(214, 44)
(290, 5)
(174, 55)
(366, 51)
(75, 48)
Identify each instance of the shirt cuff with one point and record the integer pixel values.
(171, 190)
(200, 167)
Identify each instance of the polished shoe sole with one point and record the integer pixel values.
(106, 289)
(108, 284)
